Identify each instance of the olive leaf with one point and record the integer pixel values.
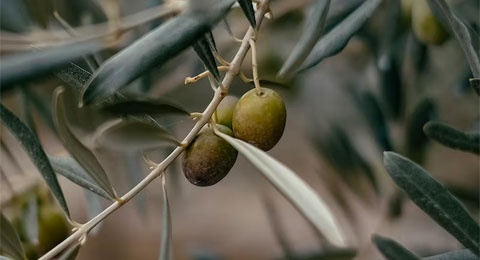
(151, 50)
(72, 170)
(204, 51)
(336, 39)
(442, 10)
(416, 141)
(14, 17)
(73, 75)
(247, 8)
(31, 220)
(78, 151)
(128, 135)
(299, 193)
(22, 67)
(71, 253)
(392, 250)
(370, 108)
(463, 254)
(94, 207)
(166, 241)
(453, 138)
(433, 199)
(10, 244)
(313, 30)
(32, 146)
(475, 84)
(152, 107)
(135, 175)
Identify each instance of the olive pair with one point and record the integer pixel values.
(258, 118)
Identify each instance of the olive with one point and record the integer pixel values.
(224, 112)
(52, 228)
(407, 12)
(259, 118)
(425, 26)
(208, 158)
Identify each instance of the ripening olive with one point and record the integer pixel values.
(259, 118)
(224, 112)
(52, 228)
(425, 26)
(209, 158)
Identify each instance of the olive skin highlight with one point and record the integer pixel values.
(208, 158)
(259, 118)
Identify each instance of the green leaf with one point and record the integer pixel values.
(10, 244)
(128, 135)
(460, 30)
(453, 138)
(71, 253)
(475, 84)
(433, 199)
(23, 67)
(313, 30)
(247, 8)
(392, 250)
(203, 49)
(78, 151)
(152, 107)
(463, 254)
(32, 146)
(165, 244)
(302, 196)
(72, 170)
(336, 39)
(154, 49)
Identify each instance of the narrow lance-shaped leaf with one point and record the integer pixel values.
(392, 250)
(94, 207)
(32, 146)
(203, 49)
(73, 75)
(165, 243)
(27, 66)
(30, 220)
(78, 151)
(312, 32)
(72, 170)
(336, 39)
(134, 172)
(153, 107)
(10, 244)
(416, 141)
(460, 30)
(453, 138)
(292, 187)
(433, 199)
(128, 135)
(154, 49)
(247, 8)
(463, 254)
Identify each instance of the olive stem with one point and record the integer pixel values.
(255, 66)
(207, 114)
(203, 75)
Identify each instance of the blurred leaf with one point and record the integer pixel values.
(443, 11)
(453, 138)
(72, 170)
(71, 253)
(247, 8)
(464, 254)
(30, 220)
(4, 258)
(302, 196)
(392, 250)
(77, 150)
(134, 176)
(153, 49)
(376, 120)
(40, 106)
(94, 207)
(339, 10)
(23, 67)
(416, 141)
(152, 107)
(166, 225)
(433, 199)
(10, 244)
(391, 84)
(475, 84)
(203, 49)
(327, 254)
(32, 146)
(14, 16)
(313, 30)
(336, 39)
(128, 135)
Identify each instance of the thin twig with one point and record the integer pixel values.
(220, 93)
(255, 67)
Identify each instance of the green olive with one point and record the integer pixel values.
(425, 26)
(209, 158)
(224, 112)
(407, 12)
(259, 118)
(52, 228)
